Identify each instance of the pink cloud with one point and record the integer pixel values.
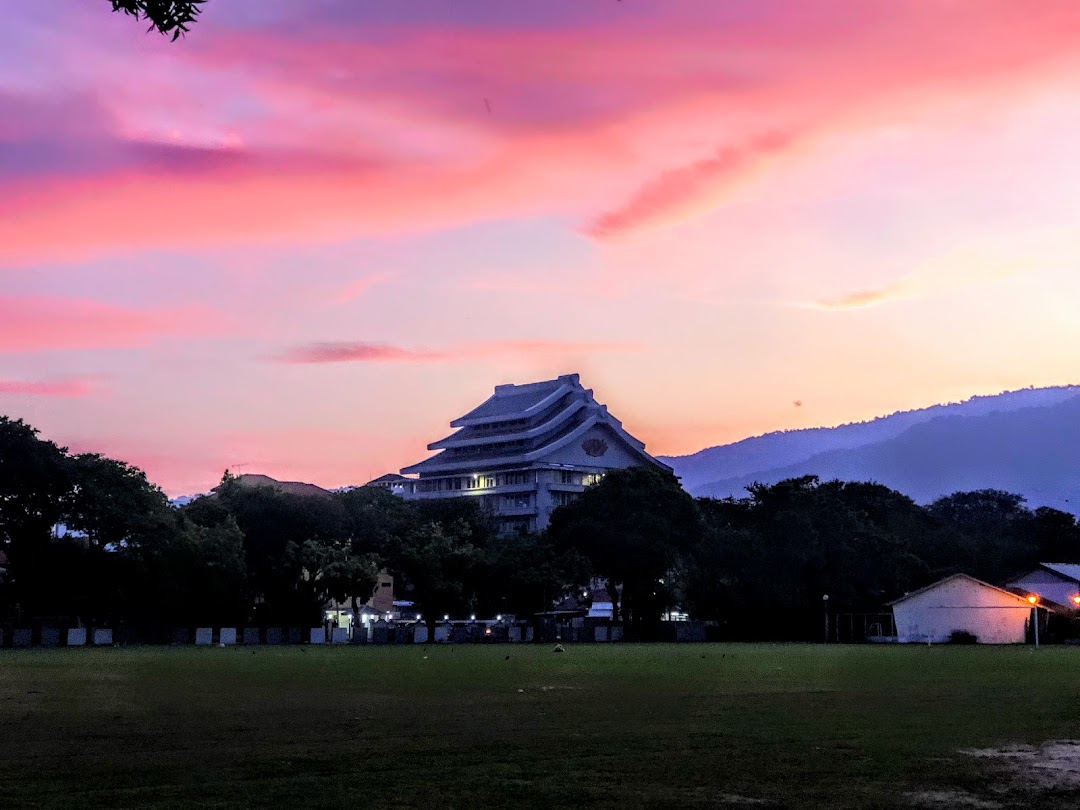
(65, 388)
(354, 289)
(361, 352)
(31, 323)
(686, 188)
(350, 132)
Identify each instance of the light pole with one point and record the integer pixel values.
(825, 602)
(1034, 600)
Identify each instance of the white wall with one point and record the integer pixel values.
(992, 616)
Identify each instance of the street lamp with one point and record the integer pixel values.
(1034, 600)
(825, 602)
(1076, 600)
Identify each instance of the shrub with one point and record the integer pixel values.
(963, 637)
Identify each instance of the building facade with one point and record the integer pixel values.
(527, 450)
(962, 603)
(1058, 582)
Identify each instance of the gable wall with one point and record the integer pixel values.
(617, 456)
(992, 616)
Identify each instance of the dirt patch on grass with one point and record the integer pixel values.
(735, 798)
(1054, 765)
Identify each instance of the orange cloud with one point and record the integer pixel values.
(926, 282)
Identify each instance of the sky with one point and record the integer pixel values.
(303, 238)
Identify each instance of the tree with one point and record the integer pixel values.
(111, 502)
(283, 572)
(526, 572)
(193, 574)
(166, 16)
(633, 527)
(766, 561)
(352, 576)
(441, 563)
(34, 483)
(375, 521)
(986, 533)
(1056, 534)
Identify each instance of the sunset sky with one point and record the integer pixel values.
(302, 239)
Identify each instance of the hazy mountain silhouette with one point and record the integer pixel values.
(1025, 441)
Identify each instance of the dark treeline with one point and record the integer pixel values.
(88, 539)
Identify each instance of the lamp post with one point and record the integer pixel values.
(825, 602)
(1034, 600)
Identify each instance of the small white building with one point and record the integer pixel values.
(962, 603)
(1058, 582)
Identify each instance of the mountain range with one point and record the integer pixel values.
(1025, 441)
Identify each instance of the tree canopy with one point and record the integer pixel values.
(88, 538)
(633, 526)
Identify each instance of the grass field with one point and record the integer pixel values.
(608, 726)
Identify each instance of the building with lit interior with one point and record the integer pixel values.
(527, 450)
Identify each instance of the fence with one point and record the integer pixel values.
(859, 628)
(575, 630)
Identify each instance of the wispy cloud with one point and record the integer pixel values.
(365, 352)
(917, 285)
(29, 323)
(349, 130)
(61, 387)
(354, 289)
(685, 190)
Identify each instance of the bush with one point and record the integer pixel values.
(963, 637)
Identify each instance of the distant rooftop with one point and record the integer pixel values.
(254, 480)
(389, 478)
(1067, 570)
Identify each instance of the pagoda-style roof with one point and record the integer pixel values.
(513, 402)
(524, 424)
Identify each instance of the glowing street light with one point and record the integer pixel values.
(1076, 600)
(1034, 600)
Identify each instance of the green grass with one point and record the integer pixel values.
(608, 726)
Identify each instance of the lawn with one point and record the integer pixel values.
(499, 726)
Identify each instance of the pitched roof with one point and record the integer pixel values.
(389, 478)
(510, 402)
(940, 582)
(254, 480)
(523, 424)
(1070, 571)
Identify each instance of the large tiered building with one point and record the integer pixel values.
(526, 450)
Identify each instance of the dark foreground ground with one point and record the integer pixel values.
(607, 726)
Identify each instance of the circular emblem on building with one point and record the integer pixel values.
(594, 447)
